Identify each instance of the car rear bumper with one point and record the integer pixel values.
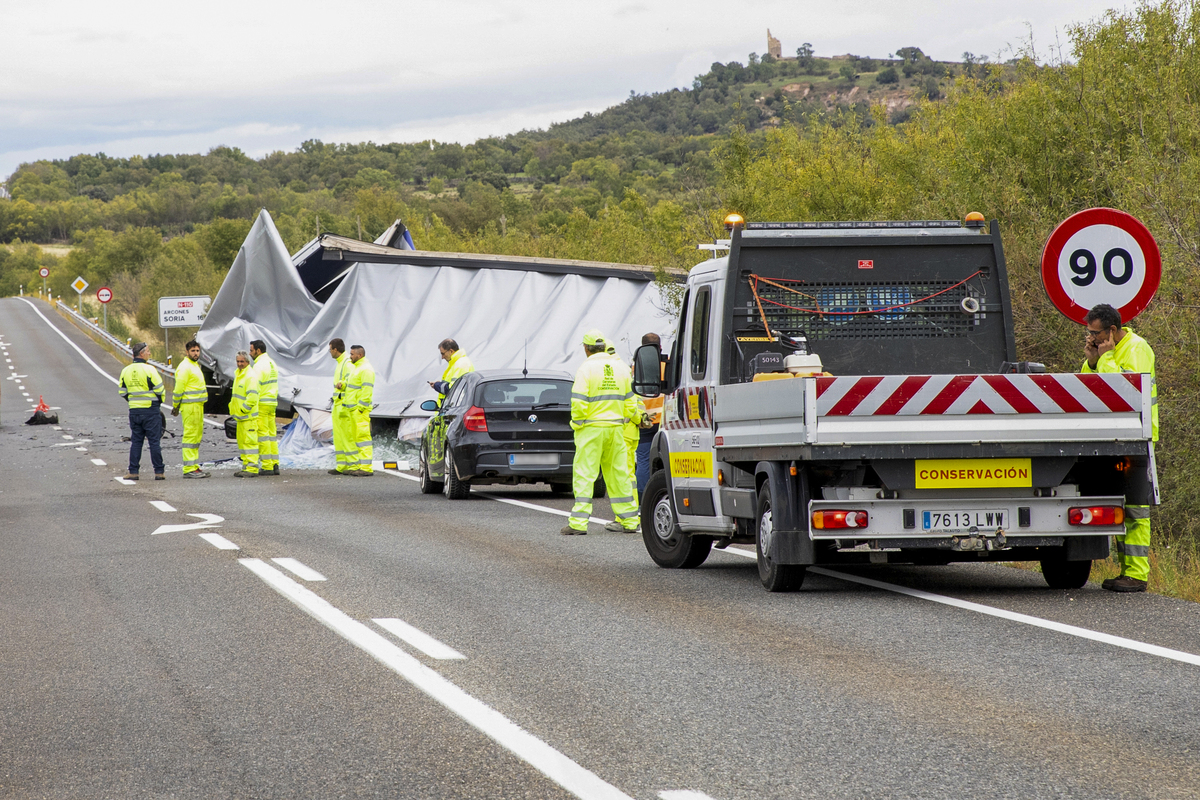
(484, 463)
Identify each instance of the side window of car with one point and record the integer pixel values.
(456, 394)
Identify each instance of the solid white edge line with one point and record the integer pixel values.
(163, 506)
(418, 639)
(218, 541)
(97, 367)
(301, 571)
(554, 765)
(99, 462)
(511, 502)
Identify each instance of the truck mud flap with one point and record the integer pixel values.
(1085, 548)
(792, 542)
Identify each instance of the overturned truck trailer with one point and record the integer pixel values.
(504, 311)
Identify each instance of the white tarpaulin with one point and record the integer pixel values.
(400, 312)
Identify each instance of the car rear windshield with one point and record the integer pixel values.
(500, 394)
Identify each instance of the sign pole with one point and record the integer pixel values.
(106, 317)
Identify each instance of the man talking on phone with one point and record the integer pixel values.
(1112, 348)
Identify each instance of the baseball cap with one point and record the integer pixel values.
(593, 338)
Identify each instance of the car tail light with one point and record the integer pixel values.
(475, 419)
(823, 520)
(1096, 515)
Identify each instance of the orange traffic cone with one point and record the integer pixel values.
(41, 406)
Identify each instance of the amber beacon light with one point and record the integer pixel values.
(734, 221)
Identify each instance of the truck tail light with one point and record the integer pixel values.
(1096, 515)
(475, 419)
(823, 520)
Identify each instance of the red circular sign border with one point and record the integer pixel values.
(44, 273)
(104, 289)
(1100, 216)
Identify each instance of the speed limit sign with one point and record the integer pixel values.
(45, 273)
(1101, 255)
(104, 294)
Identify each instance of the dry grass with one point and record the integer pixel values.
(1174, 570)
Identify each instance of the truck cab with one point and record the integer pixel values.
(849, 393)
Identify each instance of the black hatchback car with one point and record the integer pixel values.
(500, 427)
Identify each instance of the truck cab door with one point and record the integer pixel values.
(690, 408)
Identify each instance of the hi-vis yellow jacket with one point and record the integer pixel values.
(342, 375)
(141, 385)
(602, 394)
(244, 403)
(189, 385)
(361, 389)
(1131, 354)
(268, 380)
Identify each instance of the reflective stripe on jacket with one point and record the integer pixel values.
(362, 381)
(342, 375)
(244, 403)
(1131, 354)
(141, 385)
(189, 384)
(458, 366)
(602, 393)
(268, 379)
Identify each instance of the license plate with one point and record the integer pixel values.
(533, 460)
(949, 521)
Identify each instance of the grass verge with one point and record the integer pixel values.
(1174, 570)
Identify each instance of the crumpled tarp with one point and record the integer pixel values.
(399, 313)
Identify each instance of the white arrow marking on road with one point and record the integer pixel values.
(209, 521)
(124, 482)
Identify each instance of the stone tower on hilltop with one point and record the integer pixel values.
(774, 50)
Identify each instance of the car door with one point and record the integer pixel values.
(692, 444)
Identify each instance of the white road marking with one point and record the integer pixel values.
(1012, 616)
(67, 436)
(97, 367)
(299, 570)
(418, 639)
(163, 506)
(511, 502)
(207, 521)
(683, 794)
(99, 462)
(218, 541)
(81, 449)
(554, 765)
(58, 427)
(124, 482)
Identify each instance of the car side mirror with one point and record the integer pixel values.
(429, 405)
(647, 376)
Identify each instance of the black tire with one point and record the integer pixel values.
(667, 545)
(561, 488)
(1066, 574)
(774, 577)
(455, 489)
(599, 488)
(428, 485)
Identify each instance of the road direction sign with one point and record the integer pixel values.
(182, 312)
(79, 284)
(1101, 255)
(104, 294)
(45, 273)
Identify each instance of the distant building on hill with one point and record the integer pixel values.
(774, 50)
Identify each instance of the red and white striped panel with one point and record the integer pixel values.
(671, 402)
(913, 395)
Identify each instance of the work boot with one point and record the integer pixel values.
(569, 531)
(131, 476)
(615, 526)
(194, 474)
(1125, 584)
(336, 472)
(274, 471)
(638, 529)
(351, 473)
(158, 476)
(241, 473)
(1108, 583)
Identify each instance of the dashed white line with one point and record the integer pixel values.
(81, 449)
(99, 462)
(299, 570)
(550, 762)
(418, 639)
(163, 506)
(67, 436)
(218, 541)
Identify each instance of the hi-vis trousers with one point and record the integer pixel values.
(602, 447)
(364, 450)
(268, 437)
(1133, 549)
(345, 436)
(193, 434)
(247, 440)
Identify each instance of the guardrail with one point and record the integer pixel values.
(95, 329)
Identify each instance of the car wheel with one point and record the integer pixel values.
(428, 485)
(561, 488)
(774, 577)
(667, 545)
(455, 489)
(1066, 574)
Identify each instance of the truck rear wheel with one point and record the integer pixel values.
(774, 577)
(1066, 574)
(669, 546)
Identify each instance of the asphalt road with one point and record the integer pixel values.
(140, 665)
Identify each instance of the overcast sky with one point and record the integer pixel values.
(129, 78)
